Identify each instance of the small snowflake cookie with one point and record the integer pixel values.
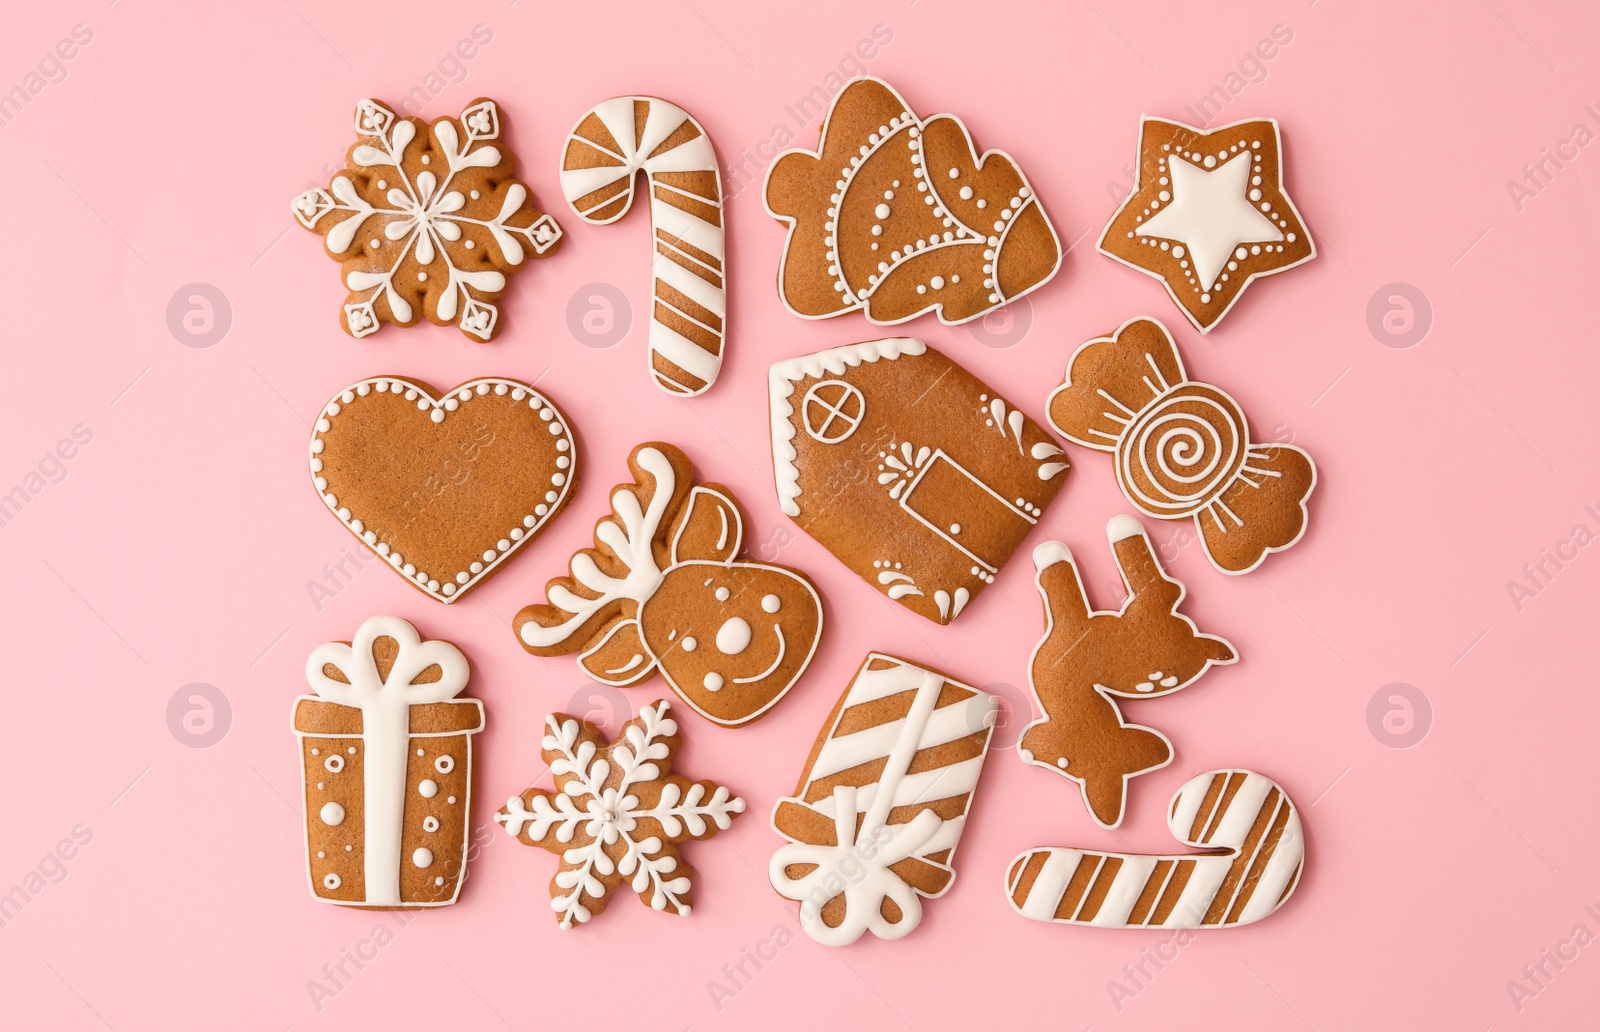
(427, 221)
(895, 215)
(617, 814)
(1208, 214)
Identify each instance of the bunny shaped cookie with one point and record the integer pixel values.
(663, 590)
(1087, 660)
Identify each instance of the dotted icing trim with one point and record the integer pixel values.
(1209, 162)
(438, 410)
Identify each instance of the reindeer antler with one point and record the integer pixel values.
(627, 564)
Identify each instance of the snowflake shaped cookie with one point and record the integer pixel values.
(617, 814)
(427, 221)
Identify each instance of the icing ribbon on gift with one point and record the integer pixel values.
(864, 846)
(864, 893)
(385, 704)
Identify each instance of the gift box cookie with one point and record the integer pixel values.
(919, 476)
(875, 819)
(386, 755)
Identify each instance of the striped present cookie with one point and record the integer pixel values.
(1257, 853)
(874, 822)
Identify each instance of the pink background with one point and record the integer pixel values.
(179, 545)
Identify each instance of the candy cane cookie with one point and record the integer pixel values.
(1244, 818)
(613, 141)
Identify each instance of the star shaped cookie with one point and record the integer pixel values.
(617, 814)
(1208, 214)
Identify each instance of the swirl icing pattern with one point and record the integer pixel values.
(1182, 447)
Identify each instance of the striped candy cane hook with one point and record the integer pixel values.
(1258, 854)
(609, 145)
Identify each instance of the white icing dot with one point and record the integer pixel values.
(437, 415)
(422, 858)
(771, 603)
(882, 211)
(444, 764)
(334, 764)
(451, 800)
(722, 594)
(331, 880)
(428, 789)
(422, 277)
(430, 823)
(332, 814)
(955, 528)
(713, 682)
(474, 194)
(690, 644)
(440, 881)
(937, 282)
(955, 173)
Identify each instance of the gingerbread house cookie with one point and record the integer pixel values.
(919, 476)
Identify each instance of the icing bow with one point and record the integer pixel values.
(385, 698)
(1182, 447)
(856, 866)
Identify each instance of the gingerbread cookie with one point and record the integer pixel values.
(427, 221)
(386, 756)
(894, 215)
(606, 149)
(1255, 854)
(875, 819)
(662, 589)
(1088, 659)
(445, 488)
(1182, 447)
(618, 814)
(911, 470)
(1208, 214)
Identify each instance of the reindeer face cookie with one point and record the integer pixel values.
(1087, 660)
(895, 215)
(663, 590)
(1182, 448)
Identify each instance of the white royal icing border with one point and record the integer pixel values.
(382, 855)
(461, 581)
(1025, 191)
(1277, 140)
(781, 382)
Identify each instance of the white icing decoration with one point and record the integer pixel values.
(451, 587)
(713, 682)
(422, 858)
(612, 814)
(385, 738)
(770, 603)
(631, 536)
(781, 382)
(425, 214)
(856, 865)
(428, 788)
(430, 823)
(733, 637)
(1210, 213)
(674, 222)
(1270, 883)
(332, 814)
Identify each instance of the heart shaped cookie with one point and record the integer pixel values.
(446, 489)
